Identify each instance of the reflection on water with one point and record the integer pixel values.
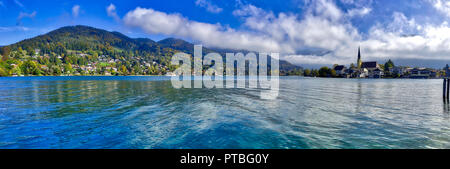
(446, 109)
(146, 112)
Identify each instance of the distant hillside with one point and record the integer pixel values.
(82, 46)
(83, 38)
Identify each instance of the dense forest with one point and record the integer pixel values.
(83, 50)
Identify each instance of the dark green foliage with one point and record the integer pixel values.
(5, 51)
(30, 68)
(307, 72)
(388, 64)
(324, 72)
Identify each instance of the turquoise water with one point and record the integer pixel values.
(146, 112)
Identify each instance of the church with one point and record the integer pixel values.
(361, 69)
(367, 69)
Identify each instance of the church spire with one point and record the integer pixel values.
(359, 62)
(359, 52)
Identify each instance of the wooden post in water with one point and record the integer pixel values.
(444, 89)
(448, 86)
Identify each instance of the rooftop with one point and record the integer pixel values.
(339, 67)
(369, 65)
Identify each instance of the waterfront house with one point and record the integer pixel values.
(44, 67)
(408, 71)
(36, 52)
(420, 73)
(374, 70)
(361, 73)
(377, 73)
(434, 73)
(340, 70)
(398, 70)
(447, 71)
(349, 73)
(371, 70)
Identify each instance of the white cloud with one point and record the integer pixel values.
(111, 11)
(285, 33)
(18, 3)
(326, 9)
(359, 12)
(75, 10)
(25, 15)
(404, 38)
(156, 22)
(208, 6)
(357, 3)
(323, 27)
(13, 28)
(248, 10)
(402, 25)
(348, 1)
(442, 6)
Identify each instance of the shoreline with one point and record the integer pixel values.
(307, 77)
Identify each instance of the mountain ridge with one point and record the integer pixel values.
(69, 43)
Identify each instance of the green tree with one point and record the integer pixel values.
(333, 73)
(324, 72)
(388, 64)
(5, 51)
(56, 70)
(387, 67)
(3, 72)
(123, 70)
(307, 72)
(30, 51)
(20, 50)
(30, 68)
(137, 69)
(17, 70)
(315, 73)
(68, 68)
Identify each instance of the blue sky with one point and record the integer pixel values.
(52, 14)
(302, 31)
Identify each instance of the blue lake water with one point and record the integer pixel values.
(147, 112)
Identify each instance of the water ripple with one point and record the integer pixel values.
(146, 112)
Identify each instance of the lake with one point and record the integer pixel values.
(148, 113)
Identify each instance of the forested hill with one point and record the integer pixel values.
(83, 50)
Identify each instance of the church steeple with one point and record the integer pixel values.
(359, 62)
